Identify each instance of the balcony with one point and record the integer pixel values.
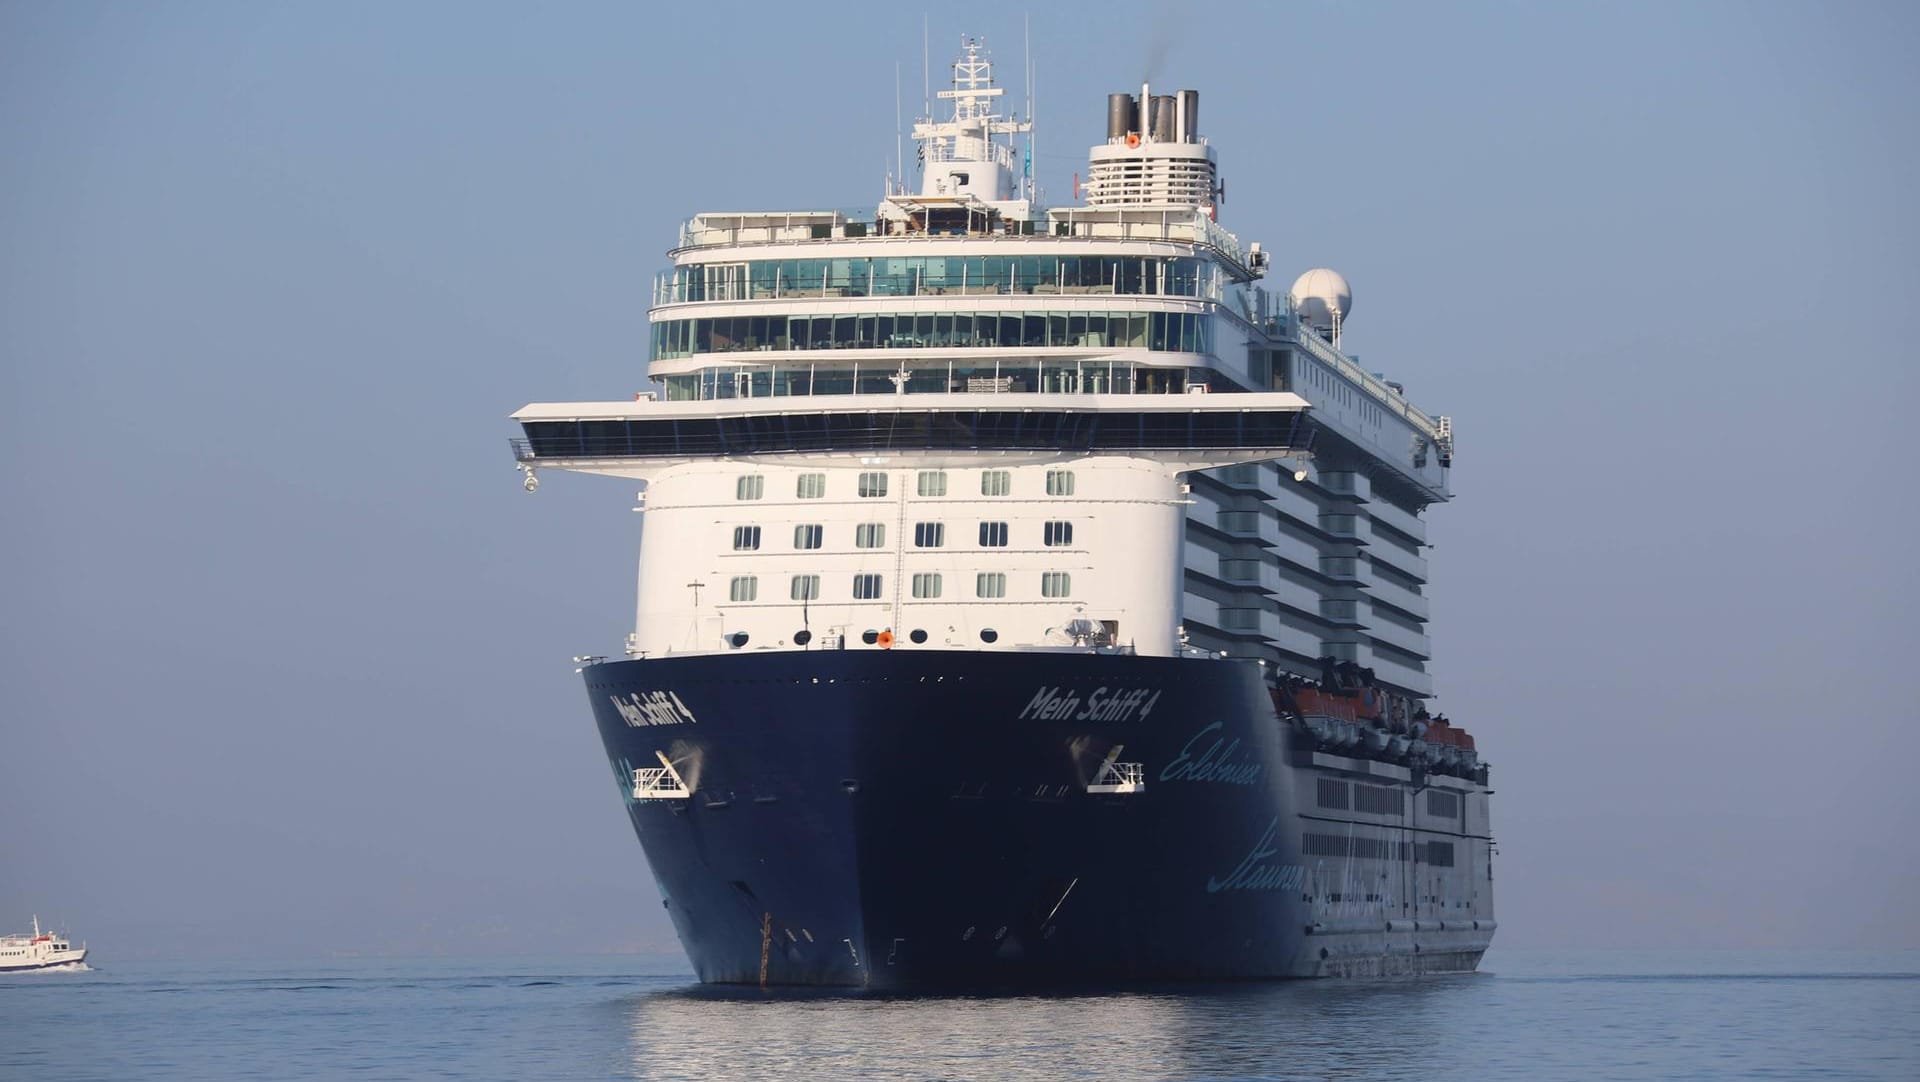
(1301, 554)
(1398, 675)
(1346, 569)
(1253, 573)
(1399, 637)
(1391, 517)
(1295, 596)
(1295, 501)
(1341, 612)
(1385, 591)
(1400, 560)
(1248, 526)
(1244, 620)
(1346, 527)
(1247, 476)
(1354, 486)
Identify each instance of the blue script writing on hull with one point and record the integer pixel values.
(1052, 704)
(1215, 764)
(1253, 874)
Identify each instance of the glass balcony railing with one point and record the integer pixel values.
(918, 276)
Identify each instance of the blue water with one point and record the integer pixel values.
(1527, 1015)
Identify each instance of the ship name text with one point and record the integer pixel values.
(1215, 764)
(1056, 704)
(1254, 874)
(644, 708)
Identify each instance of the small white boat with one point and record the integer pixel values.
(41, 950)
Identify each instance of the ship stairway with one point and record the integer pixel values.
(1118, 777)
(661, 782)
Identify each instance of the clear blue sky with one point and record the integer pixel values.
(286, 656)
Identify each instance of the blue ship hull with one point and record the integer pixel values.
(921, 819)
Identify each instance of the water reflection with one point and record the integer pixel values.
(1297, 1029)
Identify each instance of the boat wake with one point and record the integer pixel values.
(65, 967)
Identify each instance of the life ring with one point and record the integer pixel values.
(885, 641)
(1133, 138)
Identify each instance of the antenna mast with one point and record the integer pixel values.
(1033, 191)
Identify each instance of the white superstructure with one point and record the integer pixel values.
(933, 424)
(41, 950)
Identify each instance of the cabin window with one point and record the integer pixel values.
(743, 588)
(933, 482)
(995, 482)
(1058, 533)
(811, 486)
(866, 587)
(990, 584)
(993, 535)
(873, 484)
(929, 535)
(870, 535)
(750, 486)
(807, 536)
(927, 584)
(1055, 584)
(1059, 482)
(746, 538)
(806, 588)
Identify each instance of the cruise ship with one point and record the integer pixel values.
(1026, 594)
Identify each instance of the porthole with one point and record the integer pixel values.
(918, 635)
(988, 634)
(738, 639)
(802, 637)
(870, 636)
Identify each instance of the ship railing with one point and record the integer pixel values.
(1372, 385)
(1119, 778)
(661, 782)
(1179, 225)
(667, 290)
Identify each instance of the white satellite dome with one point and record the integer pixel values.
(1319, 293)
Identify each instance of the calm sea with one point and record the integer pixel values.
(1527, 1015)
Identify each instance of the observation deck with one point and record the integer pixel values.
(1191, 431)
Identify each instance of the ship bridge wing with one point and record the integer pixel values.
(1185, 432)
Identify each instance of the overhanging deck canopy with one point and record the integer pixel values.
(564, 434)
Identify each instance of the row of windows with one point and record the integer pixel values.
(761, 377)
(1341, 391)
(1373, 799)
(1340, 845)
(813, 486)
(1378, 800)
(930, 584)
(926, 535)
(1438, 854)
(1168, 332)
(767, 279)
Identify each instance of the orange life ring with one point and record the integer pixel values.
(1133, 138)
(885, 641)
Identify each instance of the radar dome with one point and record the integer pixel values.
(1319, 293)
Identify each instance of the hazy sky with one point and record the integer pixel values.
(286, 666)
